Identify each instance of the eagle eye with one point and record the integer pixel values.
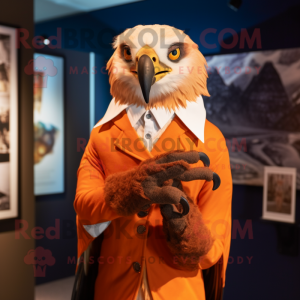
(174, 54)
(127, 54)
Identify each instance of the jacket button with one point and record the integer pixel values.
(141, 229)
(136, 267)
(142, 214)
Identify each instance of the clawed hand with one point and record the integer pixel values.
(162, 185)
(157, 180)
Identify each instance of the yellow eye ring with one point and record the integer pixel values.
(174, 54)
(127, 54)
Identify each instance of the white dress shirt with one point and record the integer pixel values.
(146, 125)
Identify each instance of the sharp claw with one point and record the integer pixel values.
(169, 213)
(185, 206)
(204, 158)
(216, 180)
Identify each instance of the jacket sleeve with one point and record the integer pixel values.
(93, 214)
(215, 207)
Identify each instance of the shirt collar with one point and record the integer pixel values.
(193, 116)
(161, 115)
(134, 113)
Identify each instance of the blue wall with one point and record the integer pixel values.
(270, 275)
(196, 16)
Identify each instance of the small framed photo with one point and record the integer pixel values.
(279, 199)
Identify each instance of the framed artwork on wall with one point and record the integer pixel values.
(48, 72)
(9, 171)
(279, 199)
(255, 102)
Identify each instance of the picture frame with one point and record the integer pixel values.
(255, 102)
(279, 194)
(9, 122)
(49, 124)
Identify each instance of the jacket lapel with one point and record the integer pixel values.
(128, 141)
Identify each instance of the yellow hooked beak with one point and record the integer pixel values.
(148, 69)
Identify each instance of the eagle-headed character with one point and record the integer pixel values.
(153, 198)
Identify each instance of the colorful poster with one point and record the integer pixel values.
(48, 124)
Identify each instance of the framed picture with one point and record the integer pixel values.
(255, 102)
(9, 174)
(279, 201)
(48, 71)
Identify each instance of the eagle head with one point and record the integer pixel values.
(156, 66)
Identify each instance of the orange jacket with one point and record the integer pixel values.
(115, 147)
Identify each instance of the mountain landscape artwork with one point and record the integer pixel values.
(255, 102)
